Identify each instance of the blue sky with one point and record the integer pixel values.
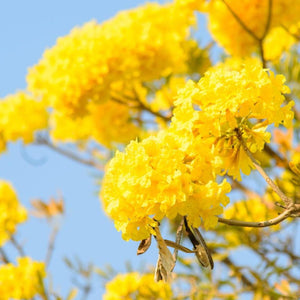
(27, 28)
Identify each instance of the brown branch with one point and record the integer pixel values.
(282, 161)
(270, 5)
(178, 238)
(297, 37)
(141, 105)
(51, 245)
(40, 140)
(231, 265)
(288, 201)
(17, 246)
(262, 54)
(238, 19)
(4, 257)
(287, 213)
(238, 185)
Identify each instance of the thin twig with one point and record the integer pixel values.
(231, 265)
(178, 238)
(17, 246)
(269, 18)
(262, 54)
(297, 37)
(287, 213)
(288, 201)
(46, 142)
(51, 245)
(238, 19)
(238, 185)
(4, 256)
(281, 161)
(141, 105)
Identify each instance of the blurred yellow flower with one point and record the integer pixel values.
(138, 287)
(141, 44)
(230, 34)
(22, 281)
(11, 212)
(20, 116)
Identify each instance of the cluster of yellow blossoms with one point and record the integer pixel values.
(228, 31)
(174, 172)
(134, 286)
(20, 117)
(92, 78)
(22, 281)
(83, 66)
(235, 101)
(11, 212)
(157, 178)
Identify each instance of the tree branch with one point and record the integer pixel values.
(287, 213)
(51, 245)
(288, 201)
(40, 140)
(238, 19)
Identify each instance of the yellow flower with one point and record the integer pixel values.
(165, 97)
(141, 45)
(135, 286)
(108, 123)
(20, 117)
(223, 106)
(11, 212)
(229, 33)
(277, 42)
(22, 281)
(157, 178)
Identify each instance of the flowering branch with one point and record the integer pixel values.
(141, 105)
(248, 30)
(288, 201)
(51, 245)
(287, 213)
(238, 19)
(17, 246)
(40, 140)
(4, 256)
(270, 4)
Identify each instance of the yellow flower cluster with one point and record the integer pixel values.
(230, 34)
(224, 106)
(20, 117)
(107, 123)
(157, 178)
(191, 5)
(135, 286)
(11, 212)
(277, 42)
(22, 281)
(165, 97)
(141, 44)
